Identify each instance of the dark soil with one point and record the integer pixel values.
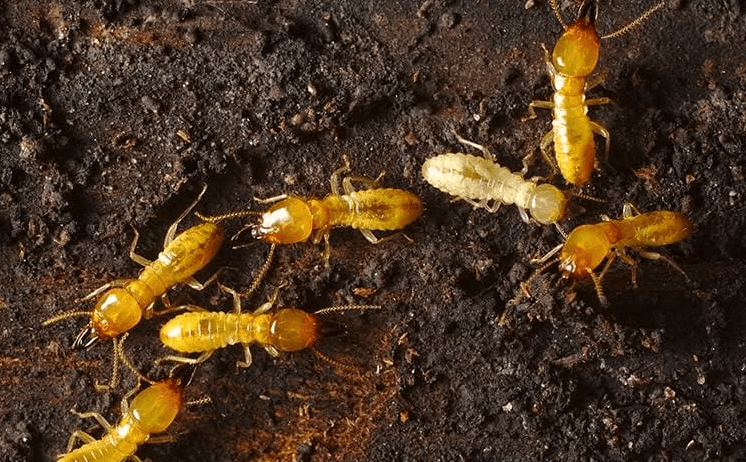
(114, 113)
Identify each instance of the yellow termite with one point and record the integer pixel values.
(283, 330)
(587, 245)
(152, 411)
(294, 219)
(125, 301)
(574, 58)
(471, 178)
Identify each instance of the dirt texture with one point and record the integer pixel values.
(114, 113)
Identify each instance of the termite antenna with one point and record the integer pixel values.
(346, 367)
(128, 363)
(586, 197)
(69, 314)
(599, 288)
(120, 356)
(226, 216)
(184, 372)
(525, 285)
(199, 402)
(260, 275)
(101, 388)
(636, 23)
(557, 13)
(341, 308)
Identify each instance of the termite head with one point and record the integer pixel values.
(287, 222)
(117, 311)
(584, 250)
(293, 330)
(155, 408)
(548, 204)
(576, 52)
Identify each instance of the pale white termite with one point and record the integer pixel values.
(479, 181)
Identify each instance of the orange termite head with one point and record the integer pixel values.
(287, 222)
(116, 312)
(584, 250)
(156, 407)
(293, 330)
(576, 52)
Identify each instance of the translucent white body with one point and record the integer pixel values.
(472, 178)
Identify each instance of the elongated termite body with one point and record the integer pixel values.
(151, 411)
(294, 219)
(283, 330)
(126, 301)
(574, 58)
(471, 178)
(588, 245)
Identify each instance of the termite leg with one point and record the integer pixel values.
(524, 215)
(486, 152)
(368, 234)
(107, 286)
(631, 262)
(545, 258)
(247, 357)
(368, 183)
(79, 435)
(185, 360)
(334, 179)
(196, 285)
(140, 260)
(271, 200)
(125, 406)
(656, 256)
(266, 306)
(92, 415)
(160, 439)
(172, 229)
(598, 101)
(540, 104)
(629, 211)
(599, 129)
(546, 141)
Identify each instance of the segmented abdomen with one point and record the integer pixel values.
(656, 229)
(473, 177)
(200, 331)
(574, 148)
(103, 450)
(377, 209)
(188, 253)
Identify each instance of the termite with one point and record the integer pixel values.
(125, 301)
(588, 245)
(574, 58)
(282, 330)
(473, 178)
(151, 411)
(295, 219)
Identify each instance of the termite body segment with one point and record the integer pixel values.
(284, 330)
(588, 245)
(294, 219)
(151, 411)
(473, 179)
(125, 301)
(572, 61)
